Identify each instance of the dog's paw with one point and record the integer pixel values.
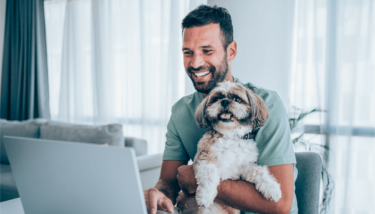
(205, 197)
(270, 190)
(203, 201)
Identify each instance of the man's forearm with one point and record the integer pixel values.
(170, 188)
(243, 196)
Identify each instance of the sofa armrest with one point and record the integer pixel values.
(139, 145)
(147, 162)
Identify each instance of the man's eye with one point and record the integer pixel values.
(207, 51)
(188, 52)
(237, 100)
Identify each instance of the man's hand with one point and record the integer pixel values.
(186, 179)
(156, 200)
(164, 195)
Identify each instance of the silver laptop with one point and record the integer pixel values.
(67, 178)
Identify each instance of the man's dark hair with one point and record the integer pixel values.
(204, 15)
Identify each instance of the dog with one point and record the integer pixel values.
(229, 112)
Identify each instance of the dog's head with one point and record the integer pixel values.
(231, 106)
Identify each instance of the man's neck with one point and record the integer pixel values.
(230, 79)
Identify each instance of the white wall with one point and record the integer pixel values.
(263, 32)
(2, 29)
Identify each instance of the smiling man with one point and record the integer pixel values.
(208, 49)
(205, 58)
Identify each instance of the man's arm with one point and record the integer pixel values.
(243, 195)
(163, 195)
(168, 183)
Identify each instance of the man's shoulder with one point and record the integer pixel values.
(271, 98)
(186, 105)
(184, 101)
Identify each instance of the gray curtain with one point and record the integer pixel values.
(24, 86)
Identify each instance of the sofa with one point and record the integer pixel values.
(111, 134)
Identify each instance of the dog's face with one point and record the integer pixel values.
(231, 106)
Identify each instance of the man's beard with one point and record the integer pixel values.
(217, 76)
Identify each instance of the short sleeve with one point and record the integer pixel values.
(274, 138)
(174, 149)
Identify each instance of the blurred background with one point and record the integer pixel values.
(120, 61)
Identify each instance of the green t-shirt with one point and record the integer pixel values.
(273, 139)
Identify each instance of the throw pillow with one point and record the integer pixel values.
(99, 134)
(29, 128)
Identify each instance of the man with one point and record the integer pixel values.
(208, 49)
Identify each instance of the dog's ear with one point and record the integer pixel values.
(259, 111)
(200, 115)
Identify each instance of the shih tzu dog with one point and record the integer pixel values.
(230, 111)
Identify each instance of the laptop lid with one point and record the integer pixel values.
(63, 177)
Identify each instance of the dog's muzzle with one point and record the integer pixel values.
(225, 103)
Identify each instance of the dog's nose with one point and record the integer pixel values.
(225, 103)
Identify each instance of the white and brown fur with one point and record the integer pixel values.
(222, 154)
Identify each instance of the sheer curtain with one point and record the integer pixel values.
(116, 61)
(334, 69)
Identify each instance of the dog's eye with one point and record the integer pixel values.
(215, 99)
(237, 100)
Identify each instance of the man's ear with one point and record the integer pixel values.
(232, 51)
(200, 115)
(259, 111)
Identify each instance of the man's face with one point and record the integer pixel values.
(205, 59)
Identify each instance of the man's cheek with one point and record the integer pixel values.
(186, 63)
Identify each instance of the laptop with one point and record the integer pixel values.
(67, 178)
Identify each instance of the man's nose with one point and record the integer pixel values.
(225, 103)
(197, 61)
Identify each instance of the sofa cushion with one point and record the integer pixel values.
(139, 145)
(147, 162)
(99, 134)
(29, 128)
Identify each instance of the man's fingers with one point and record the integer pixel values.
(157, 199)
(167, 204)
(145, 193)
(180, 183)
(153, 198)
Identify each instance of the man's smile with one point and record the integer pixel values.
(201, 74)
(201, 77)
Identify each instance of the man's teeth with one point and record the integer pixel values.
(201, 74)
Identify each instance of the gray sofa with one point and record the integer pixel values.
(112, 134)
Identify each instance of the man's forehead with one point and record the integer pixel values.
(198, 37)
